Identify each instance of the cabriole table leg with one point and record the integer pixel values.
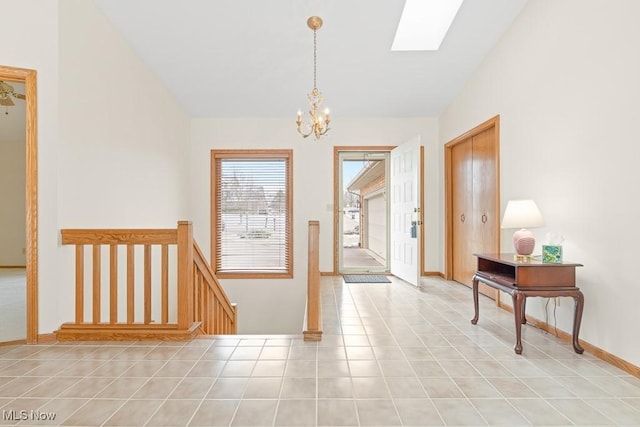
(518, 306)
(475, 300)
(577, 318)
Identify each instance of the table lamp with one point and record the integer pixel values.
(522, 214)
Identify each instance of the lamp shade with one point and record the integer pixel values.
(522, 214)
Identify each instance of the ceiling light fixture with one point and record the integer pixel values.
(424, 23)
(6, 93)
(318, 125)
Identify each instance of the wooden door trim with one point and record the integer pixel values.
(448, 177)
(338, 193)
(29, 78)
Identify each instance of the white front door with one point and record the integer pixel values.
(405, 211)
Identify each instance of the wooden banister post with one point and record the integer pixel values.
(185, 274)
(234, 329)
(313, 331)
(79, 283)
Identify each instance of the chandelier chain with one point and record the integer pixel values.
(315, 85)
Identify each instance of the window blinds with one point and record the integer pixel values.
(252, 214)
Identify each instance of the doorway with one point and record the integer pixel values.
(363, 234)
(12, 214)
(359, 204)
(392, 211)
(27, 77)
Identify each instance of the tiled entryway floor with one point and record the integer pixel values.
(391, 355)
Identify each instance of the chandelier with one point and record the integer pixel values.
(317, 125)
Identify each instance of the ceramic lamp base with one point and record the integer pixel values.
(524, 242)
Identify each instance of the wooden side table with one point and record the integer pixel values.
(532, 278)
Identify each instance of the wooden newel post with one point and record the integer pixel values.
(313, 330)
(185, 274)
(234, 327)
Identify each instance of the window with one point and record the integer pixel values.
(252, 231)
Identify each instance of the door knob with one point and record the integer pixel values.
(484, 218)
(462, 217)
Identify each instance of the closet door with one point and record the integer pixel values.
(486, 220)
(462, 211)
(472, 201)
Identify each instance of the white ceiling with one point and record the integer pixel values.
(245, 58)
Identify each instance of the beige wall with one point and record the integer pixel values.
(31, 41)
(12, 197)
(565, 81)
(111, 140)
(123, 139)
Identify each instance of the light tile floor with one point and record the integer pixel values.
(391, 355)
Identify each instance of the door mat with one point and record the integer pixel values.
(365, 278)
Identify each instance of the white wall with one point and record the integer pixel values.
(30, 40)
(123, 138)
(277, 306)
(107, 132)
(12, 197)
(565, 81)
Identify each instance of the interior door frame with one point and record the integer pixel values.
(29, 78)
(337, 192)
(448, 170)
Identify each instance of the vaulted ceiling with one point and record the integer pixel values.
(244, 58)
(254, 58)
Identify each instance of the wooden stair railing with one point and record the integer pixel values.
(167, 304)
(211, 299)
(313, 313)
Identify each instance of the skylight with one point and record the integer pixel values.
(424, 23)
